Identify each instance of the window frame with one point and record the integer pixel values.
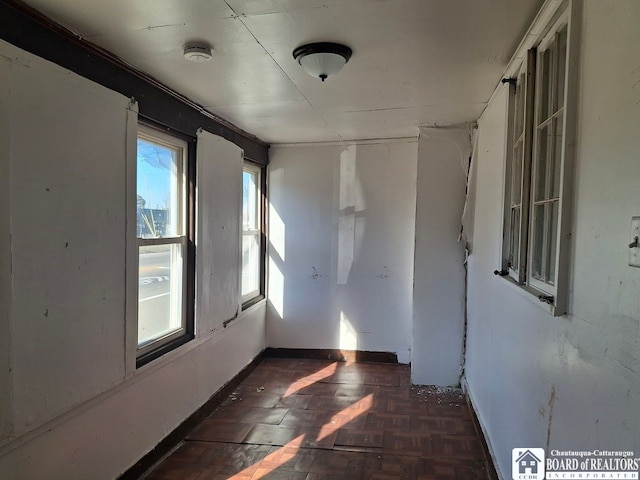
(548, 44)
(525, 87)
(551, 295)
(153, 349)
(253, 297)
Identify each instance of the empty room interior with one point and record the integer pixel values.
(302, 239)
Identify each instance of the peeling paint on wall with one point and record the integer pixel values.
(439, 273)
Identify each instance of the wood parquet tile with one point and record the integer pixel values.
(305, 418)
(296, 419)
(360, 438)
(215, 431)
(295, 401)
(262, 434)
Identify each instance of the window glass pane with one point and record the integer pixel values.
(554, 218)
(159, 190)
(545, 143)
(250, 263)
(514, 239)
(251, 221)
(516, 175)
(250, 218)
(545, 85)
(562, 60)
(159, 292)
(545, 241)
(557, 158)
(538, 242)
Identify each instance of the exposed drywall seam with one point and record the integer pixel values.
(240, 17)
(465, 235)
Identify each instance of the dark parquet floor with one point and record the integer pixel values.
(294, 419)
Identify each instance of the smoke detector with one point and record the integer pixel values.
(198, 52)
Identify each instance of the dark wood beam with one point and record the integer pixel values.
(28, 29)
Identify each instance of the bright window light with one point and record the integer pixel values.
(161, 237)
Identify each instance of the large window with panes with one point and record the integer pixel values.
(252, 235)
(539, 169)
(163, 226)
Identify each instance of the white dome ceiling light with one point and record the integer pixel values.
(323, 59)
(198, 52)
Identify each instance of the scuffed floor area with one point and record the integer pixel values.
(299, 419)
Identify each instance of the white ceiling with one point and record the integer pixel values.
(414, 63)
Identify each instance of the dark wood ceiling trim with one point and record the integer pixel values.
(28, 29)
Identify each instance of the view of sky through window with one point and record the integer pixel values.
(154, 179)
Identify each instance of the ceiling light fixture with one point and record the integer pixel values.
(322, 59)
(198, 52)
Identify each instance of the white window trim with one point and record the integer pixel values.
(181, 239)
(523, 74)
(550, 19)
(563, 201)
(131, 277)
(249, 296)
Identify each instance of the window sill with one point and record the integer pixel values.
(531, 294)
(252, 301)
(162, 350)
(194, 343)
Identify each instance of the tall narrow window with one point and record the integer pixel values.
(539, 166)
(161, 231)
(520, 170)
(547, 160)
(252, 257)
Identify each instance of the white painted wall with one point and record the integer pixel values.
(439, 284)
(69, 406)
(569, 382)
(341, 246)
(67, 140)
(108, 434)
(6, 422)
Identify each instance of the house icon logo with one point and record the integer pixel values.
(527, 464)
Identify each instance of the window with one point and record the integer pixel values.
(539, 169)
(252, 240)
(547, 160)
(162, 226)
(519, 170)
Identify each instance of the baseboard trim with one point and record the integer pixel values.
(174, 438)
(492, 472)
(332, 354)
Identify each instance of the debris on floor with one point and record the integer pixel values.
(451, 396)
